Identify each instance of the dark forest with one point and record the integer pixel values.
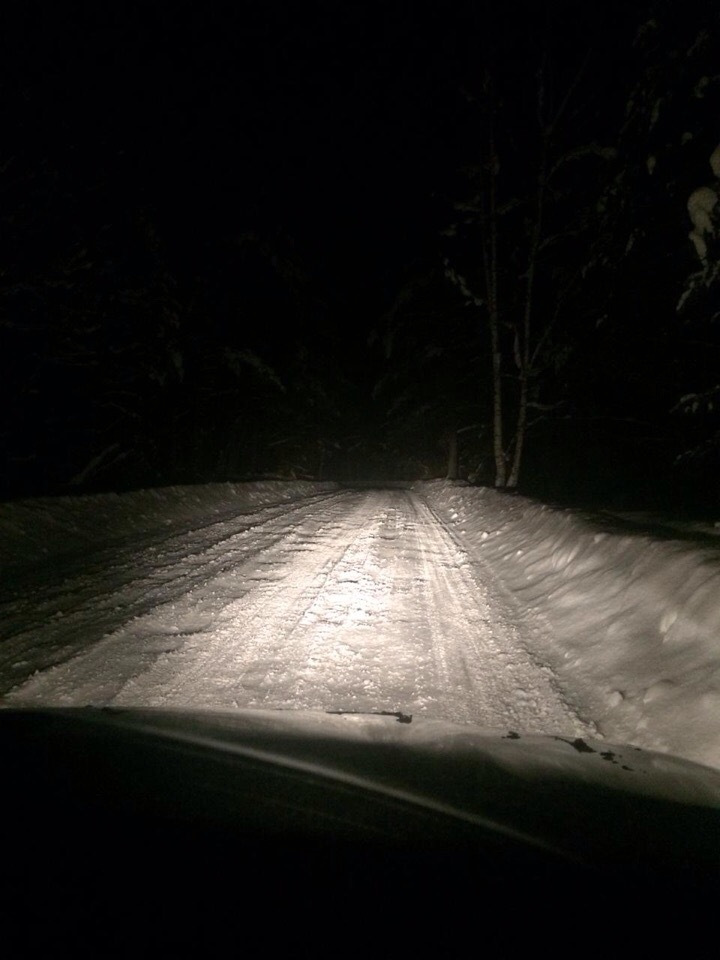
(362, 242)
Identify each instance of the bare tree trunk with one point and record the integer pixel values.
(498, 448)
(490, 254)
(453, 460)
(524, 377)
(520, 435)
(524, 354)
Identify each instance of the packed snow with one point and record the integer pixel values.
(442, 600)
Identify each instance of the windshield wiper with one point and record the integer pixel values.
(401, 717)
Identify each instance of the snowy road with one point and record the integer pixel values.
(348, 601)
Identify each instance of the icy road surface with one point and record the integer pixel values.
(348, 601)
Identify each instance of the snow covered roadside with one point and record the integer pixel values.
(633, 620)
(45, 529)
(74, 569)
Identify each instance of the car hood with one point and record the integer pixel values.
(616, 806)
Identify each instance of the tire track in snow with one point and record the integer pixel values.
(361, 602)
(65, 613)
(248, 652)
(490, 678)
(226, 592)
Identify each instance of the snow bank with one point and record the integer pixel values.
(633, 622)
(47, 528)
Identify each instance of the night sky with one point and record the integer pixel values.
(227, 228)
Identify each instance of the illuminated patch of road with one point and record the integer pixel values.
(361, 602)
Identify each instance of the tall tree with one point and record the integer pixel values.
(658, 253)
(519, 242)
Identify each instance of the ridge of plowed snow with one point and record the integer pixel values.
(634, 620)
(43, 529)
